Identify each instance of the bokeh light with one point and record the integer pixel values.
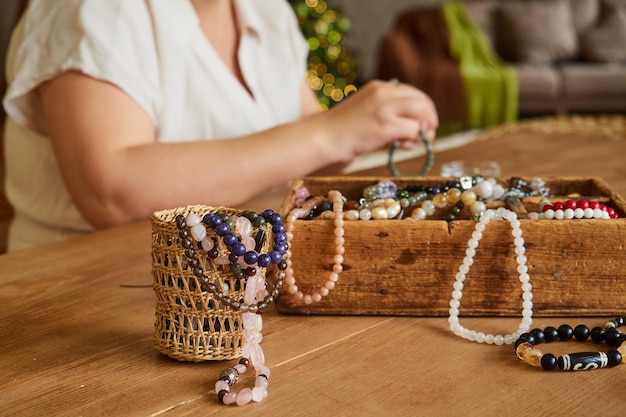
(332, 71)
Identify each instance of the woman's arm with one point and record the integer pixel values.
(310, 105)
(116, 172)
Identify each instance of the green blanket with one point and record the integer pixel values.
(490, 84)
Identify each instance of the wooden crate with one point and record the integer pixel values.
(397, 267)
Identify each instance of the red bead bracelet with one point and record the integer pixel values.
(581, 209)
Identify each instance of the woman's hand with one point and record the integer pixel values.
(378, 114)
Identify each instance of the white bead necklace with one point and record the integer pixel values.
(522, 269)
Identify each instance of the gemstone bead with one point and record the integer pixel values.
(419, 214)
(529, 354)
(548, 361)
(483, 189)
(453, 195)
(581, 332)
(351, 215)
(565, 332)
(538, 335)
(615, 358)
(440, 200)
(349, 205)
(429, 207)
(244, 396)
(229, 398)
(583, 361)
(550, 334)
(525, 338)
(478, 207)
(379, 213)
(365, 214)
(597, 334)
(222, 385)
(613, 338)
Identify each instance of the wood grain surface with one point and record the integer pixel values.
(77, 320)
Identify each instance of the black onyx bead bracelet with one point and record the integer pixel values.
(579, 361)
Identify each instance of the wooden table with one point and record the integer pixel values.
(77, 319)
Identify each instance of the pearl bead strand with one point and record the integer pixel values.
(290, 281)
(455, 303)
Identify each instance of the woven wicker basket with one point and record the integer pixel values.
(190, 325)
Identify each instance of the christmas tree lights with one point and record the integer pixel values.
(332, 71)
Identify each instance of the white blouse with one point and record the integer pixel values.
(156, 52)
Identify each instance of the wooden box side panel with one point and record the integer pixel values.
(411, 270)
(408, 268)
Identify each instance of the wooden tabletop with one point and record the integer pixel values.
(77, 320)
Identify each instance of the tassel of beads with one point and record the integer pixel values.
(251, 354)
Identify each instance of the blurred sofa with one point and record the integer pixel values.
(569, 56)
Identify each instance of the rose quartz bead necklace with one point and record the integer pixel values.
(252, 354)
(299, 212)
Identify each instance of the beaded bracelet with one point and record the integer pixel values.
(579, 361)
(394, 146)
(581, 209)
(237, 250)
(430, 158)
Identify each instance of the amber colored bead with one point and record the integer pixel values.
(530, 354)
(440, 200)
(522, 348)
(453, 195)
(468, 197)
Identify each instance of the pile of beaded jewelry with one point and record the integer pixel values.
(579, 361)
(246, 264)
(386, 200)
(581, 209)
(464, 268)
(336, 203)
